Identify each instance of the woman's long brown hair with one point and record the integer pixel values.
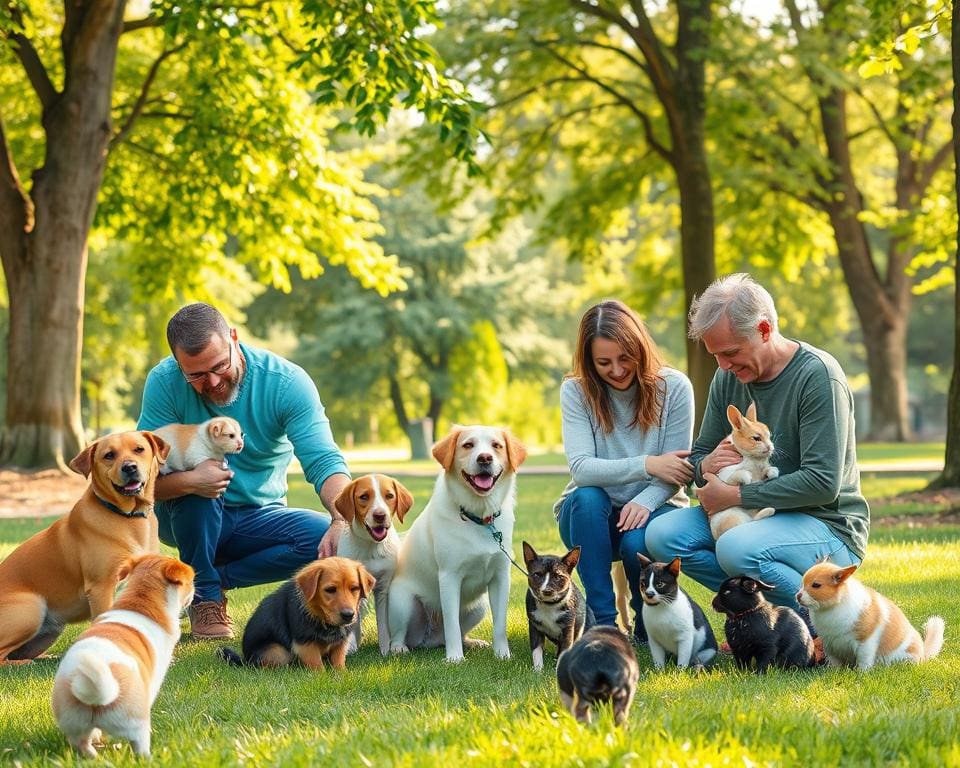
(615, 321)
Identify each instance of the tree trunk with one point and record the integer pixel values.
(45, 266)
(882, 306)
(950, 477)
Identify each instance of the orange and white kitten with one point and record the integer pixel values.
(108, 679)
(191, 444)
(751, 438)
(859, 626)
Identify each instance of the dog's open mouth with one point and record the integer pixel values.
(377, 532)
(482, 482)
(133, 488)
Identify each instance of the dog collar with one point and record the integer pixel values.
(465, 515)
(114, 508)
(745, 613)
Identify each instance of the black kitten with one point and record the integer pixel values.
(601, 666)
(555, 606)
(756, 629)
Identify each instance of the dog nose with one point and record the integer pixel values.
(347, 615)
(485, 458)
(650, 593)
(379, 518)
(130, 468)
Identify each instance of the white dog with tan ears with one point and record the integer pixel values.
(455, 552)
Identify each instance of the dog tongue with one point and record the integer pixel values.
(483, 482)
(132, 486)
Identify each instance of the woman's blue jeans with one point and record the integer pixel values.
(589, 519)
(239, 546)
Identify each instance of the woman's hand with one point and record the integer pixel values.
(632, 516)
(672, 467)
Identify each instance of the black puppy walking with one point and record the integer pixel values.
(757, 630)
(600, 667)
(556, 609)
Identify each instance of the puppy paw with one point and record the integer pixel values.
(502, 653)
(395, 649)
(454, 658)
(772, 473)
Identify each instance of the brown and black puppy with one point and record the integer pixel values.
(310, 617)
(600, 667)
(68, 572)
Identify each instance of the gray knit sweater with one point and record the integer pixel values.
(616, 461)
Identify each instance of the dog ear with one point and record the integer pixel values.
(308, 578)
(529, 553)
(734, 416)
(344, 503)
(763, 585)
(404, 499)
(82, 463)
(752, 412)
(177, 572)
(674, 566)
(446, 449)
(127, 566)
(843, 574)
(367, 581)
(216, 427)
(161, 449)
(516, 451)
(572, 558)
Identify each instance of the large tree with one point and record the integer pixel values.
(199, 142)
(602, 104)
(861, 154)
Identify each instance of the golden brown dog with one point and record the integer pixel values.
(280, 630)
(69, 571)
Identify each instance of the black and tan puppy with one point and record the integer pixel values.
(556, 609)
(600, 667)
(310, 617)
(756, 630)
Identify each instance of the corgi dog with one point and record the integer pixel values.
(192, 444)
(600, 667)
(368, 504)
(109, 678)
(859, 626)
(751, 438)
(675, 624)
(556, 608)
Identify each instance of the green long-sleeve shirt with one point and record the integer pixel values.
(809, 410)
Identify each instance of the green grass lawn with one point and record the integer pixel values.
(418, 710)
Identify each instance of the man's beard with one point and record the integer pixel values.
(231, 388)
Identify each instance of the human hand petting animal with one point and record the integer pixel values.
(210, 479)
(671, 467)
(716, 495)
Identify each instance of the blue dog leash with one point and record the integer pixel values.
(487, 522)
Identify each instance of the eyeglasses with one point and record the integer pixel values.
(218, 370)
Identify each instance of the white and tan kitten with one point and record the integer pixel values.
(859, 626)
(751, 438)
(191, 444)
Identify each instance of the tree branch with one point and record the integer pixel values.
(16, 207)
(148, 22)
(929, 169)
(32, 64)
(142, 98)
(875, 111)
(645, 121)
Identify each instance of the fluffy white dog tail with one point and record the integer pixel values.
(93, 682)
(933, 636)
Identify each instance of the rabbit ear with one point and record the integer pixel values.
(752, 412)
(734, 416)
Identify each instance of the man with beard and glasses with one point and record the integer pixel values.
(233, 525)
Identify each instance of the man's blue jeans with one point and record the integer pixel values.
(777, 550)
(239, 546)
(588, 518)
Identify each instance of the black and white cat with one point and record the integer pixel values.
(556, 609)
(675, 624)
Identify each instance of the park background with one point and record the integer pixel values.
(415, 201)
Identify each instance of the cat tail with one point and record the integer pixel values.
(933, 636)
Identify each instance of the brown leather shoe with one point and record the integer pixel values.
(209, 620)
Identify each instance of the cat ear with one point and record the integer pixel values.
(752, 412)
(644, 561)
(755, 585)
(529, 554)
(572, 557)
(734, 416)
(843, 574)
(674, 566)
